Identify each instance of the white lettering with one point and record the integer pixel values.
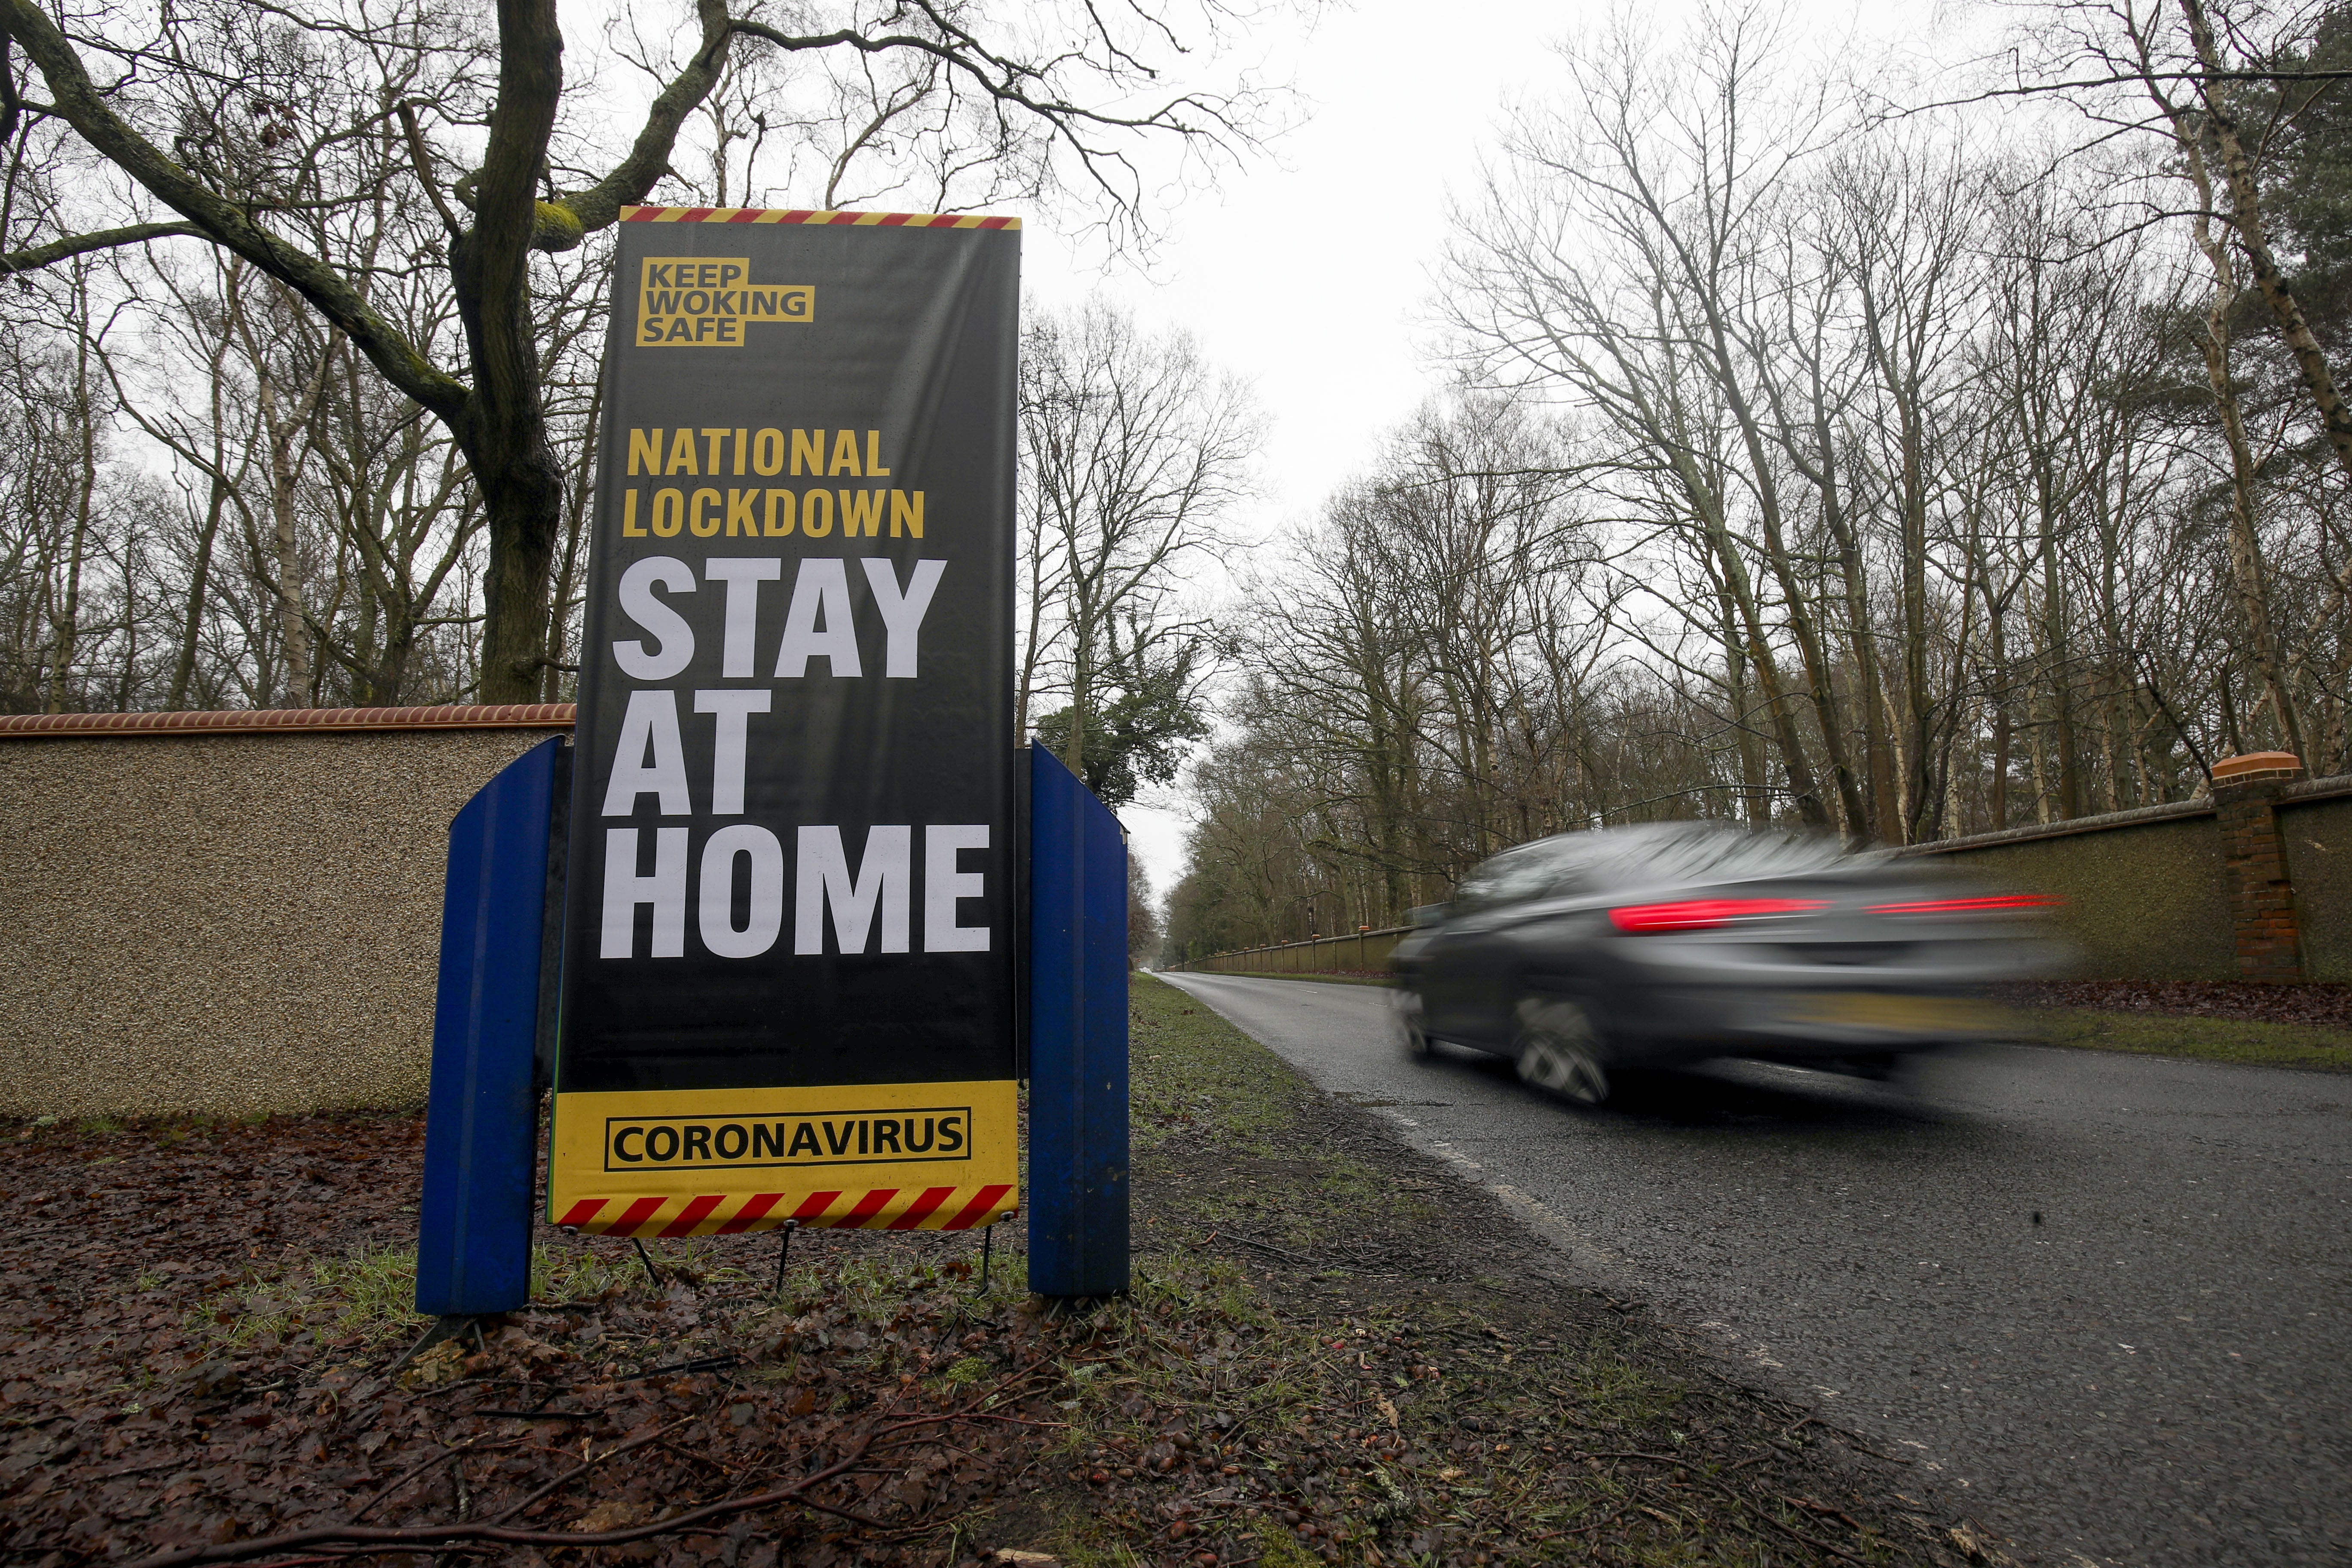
(625, 890)
(637, 602)
(650, 758)
(822, 877)
(765, 916)
(742, 574)
(902, 615)
(823, 585)
(727, 753)
(943, 885)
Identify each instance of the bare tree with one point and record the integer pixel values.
(243, 123)
(1135, 453)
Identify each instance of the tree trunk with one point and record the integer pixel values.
(503, 429)
(1878, 762)
(577, 503)
(2245, 556)
(1074, 748)
(69, 623)
(1800, 613)
(2246, 572)
(286, 544)
(184, 669)
(2253, 238)
(1998, 697)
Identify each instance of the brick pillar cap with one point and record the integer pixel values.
(2230, 768)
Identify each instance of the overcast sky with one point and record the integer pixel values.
(1311, 272)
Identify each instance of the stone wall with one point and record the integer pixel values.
(225, 914)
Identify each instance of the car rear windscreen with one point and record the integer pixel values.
(1679, 854)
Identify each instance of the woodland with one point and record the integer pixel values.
(1898, 467)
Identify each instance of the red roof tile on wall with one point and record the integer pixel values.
(285, 721)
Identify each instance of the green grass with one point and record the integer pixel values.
(372, 1293)
(1190, 1068)
(2240, 1042)
(368, 1293)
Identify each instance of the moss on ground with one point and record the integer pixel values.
(2238, 1041)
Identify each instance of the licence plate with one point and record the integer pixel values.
(1891, 1014)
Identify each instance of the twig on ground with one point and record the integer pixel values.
(587, 1465)
(1582, 1528)
(410, 1474)
(459, 1536)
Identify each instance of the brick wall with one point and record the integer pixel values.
(1364, 953)
(2316, 829)
(2253, 883)
(2265, 930)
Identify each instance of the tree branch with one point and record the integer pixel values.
(1003, 81)
(422, 156)
(80, 103)
(2201, 79)
(41, 256)
(599, 205)
(1000, 78)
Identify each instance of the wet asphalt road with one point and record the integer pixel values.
(2159, 1373)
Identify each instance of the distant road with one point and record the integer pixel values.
(2159, 1373)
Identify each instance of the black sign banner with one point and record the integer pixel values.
(789, 983)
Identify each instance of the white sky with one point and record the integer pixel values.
(1311, 272)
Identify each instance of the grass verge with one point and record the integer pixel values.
(2240, 1042)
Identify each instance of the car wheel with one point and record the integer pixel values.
(1560, 1051)
(1411, 1023)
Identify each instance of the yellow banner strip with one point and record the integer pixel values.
(815, 215)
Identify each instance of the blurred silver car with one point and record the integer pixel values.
(1591, 953)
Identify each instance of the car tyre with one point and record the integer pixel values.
(1560, 1051)
(1412, 1022)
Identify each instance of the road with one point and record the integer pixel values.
(2099, 1299)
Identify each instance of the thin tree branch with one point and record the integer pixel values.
(41, 256)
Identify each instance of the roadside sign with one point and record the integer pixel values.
(789, 969)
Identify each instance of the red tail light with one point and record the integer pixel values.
(1999, 904)
(1706, 914)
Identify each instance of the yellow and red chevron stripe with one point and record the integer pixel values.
(876, 1208)
(815, 215)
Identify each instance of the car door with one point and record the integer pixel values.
(1481, 960)
(1506, 933)
(1445, 995)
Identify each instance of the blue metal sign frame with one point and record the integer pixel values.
(1077, 1037)
(473, 1254)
